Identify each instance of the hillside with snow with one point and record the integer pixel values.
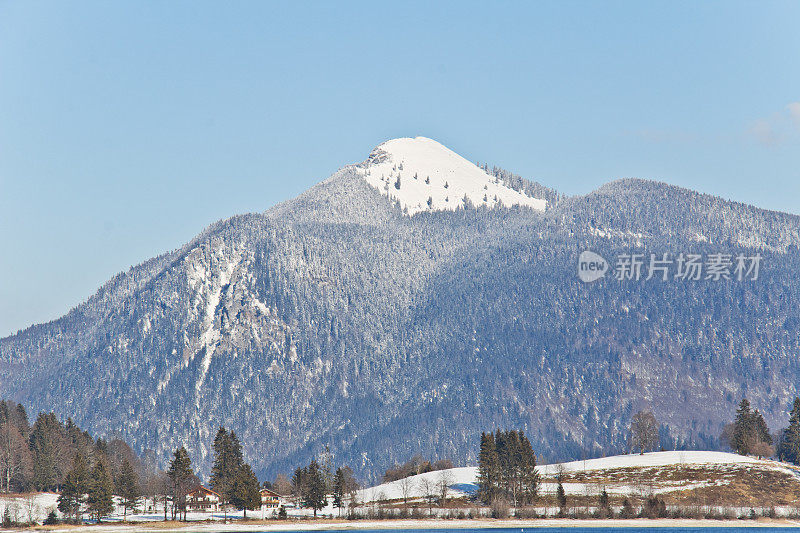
(622, 475)
(422, 175)
(336, 319)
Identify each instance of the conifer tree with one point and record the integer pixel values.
(343, 486)
(338, 490)
(314, 495)
(528, 477)
(100, 499)
(789, 447)
(298, 484)
(742, 429)
(488, 468)
(245, 493)
(561, 498)
(750, 431)
(224, 469)
(74, 489)
(760, 429)
(128, 487)
(46, 447)
(507, 467)
(604, 509)
(181, 476)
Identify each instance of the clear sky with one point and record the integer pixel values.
(127, 127)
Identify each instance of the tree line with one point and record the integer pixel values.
(507, 468)
(311, 485)
(748, 434)
(42, 456)
(414, 466)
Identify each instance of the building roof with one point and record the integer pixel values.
(203, 489)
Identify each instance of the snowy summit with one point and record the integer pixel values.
(422, 175)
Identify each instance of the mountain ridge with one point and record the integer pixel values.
(334, 318)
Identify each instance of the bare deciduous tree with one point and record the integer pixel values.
(443, 482)
(406, 484)
(15, 456)
(428, 489)
(644, 432)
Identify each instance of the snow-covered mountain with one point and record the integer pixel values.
(358, 316)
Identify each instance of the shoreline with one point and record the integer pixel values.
(410, 523)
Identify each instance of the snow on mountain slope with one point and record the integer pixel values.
(423, 175)
(464, 480)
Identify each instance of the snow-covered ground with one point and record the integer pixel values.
(423, 175)
(460, 481)
(464, 481)
(35, 507)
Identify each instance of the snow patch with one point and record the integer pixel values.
(422, 175)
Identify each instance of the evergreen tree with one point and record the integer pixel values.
(246, 491)
(74, 489)
(21, 419)
(507, 467)
(561, 498)
(760, 429)
(326, 466)
(314, 495)
(742, 429)
(181, 477)
(604, 509)
(789, 446)
(344, 486)
(224, 469)
(488, 468)
(338, 490)
(231, 477)
(100, 499)
(750, 432)
(502, 446)
(128, 487)
(528, 477)
(46, 447)
(298, 485)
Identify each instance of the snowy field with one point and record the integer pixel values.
(464, 481)
(460, 482)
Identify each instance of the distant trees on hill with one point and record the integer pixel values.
(61, 457)
(507, 467)
(748, 434)
(416, 465)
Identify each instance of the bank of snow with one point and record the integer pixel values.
(464, 481)
(422, 175)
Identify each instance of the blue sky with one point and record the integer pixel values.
(127, 127)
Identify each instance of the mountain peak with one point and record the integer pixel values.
(423, 175)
